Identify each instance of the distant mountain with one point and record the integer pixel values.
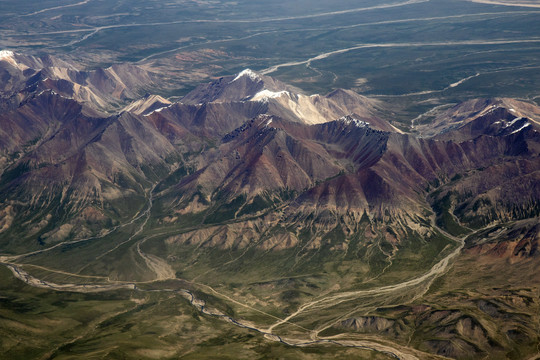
(101, 89)
(506, 187)
(478, 114)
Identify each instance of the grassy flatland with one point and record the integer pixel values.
(479, 308)
(38, 323)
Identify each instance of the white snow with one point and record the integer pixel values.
(9, 56)
(267, 94)
(350, 120)
(6, 54)
(247, 72)
(159, 109)
(521, 128)
(52, 92)
(513, 122)
(488, 110)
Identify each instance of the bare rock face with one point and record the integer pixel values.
(486, 111)
(501, 148)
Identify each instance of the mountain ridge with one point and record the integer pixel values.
(253, 149)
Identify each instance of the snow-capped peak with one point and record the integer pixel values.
(6, 54)
(9, 56)
(247, 72)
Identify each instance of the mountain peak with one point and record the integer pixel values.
(6, 54)
(247, 73)
(243, 86)
(350, 119)
(9, 56)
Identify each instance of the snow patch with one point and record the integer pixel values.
(159, 109)
(350, 120)
(52, 92)
(488, 110)
(9, 56)
(267, 94)
(513, 122)
(249, 73)
(6, 54)
(521, 128)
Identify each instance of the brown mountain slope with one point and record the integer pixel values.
(67, 165)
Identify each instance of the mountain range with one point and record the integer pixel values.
(245, 142)
(246, 164)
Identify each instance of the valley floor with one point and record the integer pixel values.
(313, 328)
